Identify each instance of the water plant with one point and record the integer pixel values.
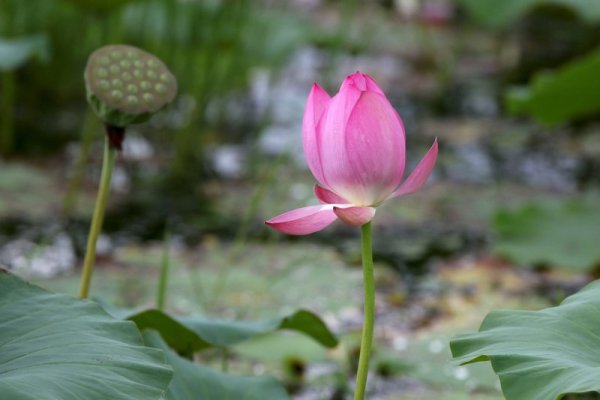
(125, 85)
(354, 143)
(47, 339)
(14, 53)
(540, 355)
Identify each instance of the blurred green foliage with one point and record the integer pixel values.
(20, 186)
(502, 14)
(569, 93)
(13, 54)
(16, 52)
(556, 234)
(561, 35)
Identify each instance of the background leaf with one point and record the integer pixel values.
(500, 14)
(554, 97)
(540, 355)
(529, 235)
(53, 346)
(194, 333)
(16, 52)
(194, 382)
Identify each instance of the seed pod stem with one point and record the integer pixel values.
(108, 163)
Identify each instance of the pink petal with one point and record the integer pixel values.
(315, 106)
(355, 216)
(419, 176)
(356, 80)
(326, 196)
(362, 82)
(303, 221)
(372, 86)
(361, 149)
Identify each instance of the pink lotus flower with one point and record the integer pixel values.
(354, 144)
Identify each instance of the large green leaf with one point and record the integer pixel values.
(558, 234)
(194, 333)
(569, 93)
(16, 52)
(503, 13)
(540, 355)
(53, 346)
(194, 382)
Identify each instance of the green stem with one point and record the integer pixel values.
(369, 323)
(108, 163)
(224, 359)
(165, 265)
(241, 236)
(90, 127)
(7, 100)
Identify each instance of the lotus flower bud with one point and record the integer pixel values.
(354, 143)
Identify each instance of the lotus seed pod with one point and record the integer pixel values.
(126, 85)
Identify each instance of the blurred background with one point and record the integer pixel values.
(509, 218)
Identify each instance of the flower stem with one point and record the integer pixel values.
(369, 322)
(108, 162)
(6, 112)
(89, 131)
(165, 265)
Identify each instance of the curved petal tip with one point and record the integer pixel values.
(362, 82)
(303, 221)
(421, 173)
